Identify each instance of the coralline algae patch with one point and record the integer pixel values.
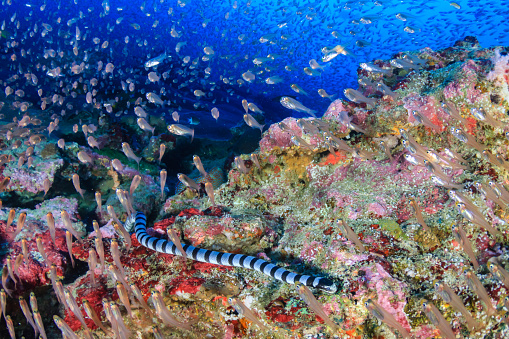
(32, 181)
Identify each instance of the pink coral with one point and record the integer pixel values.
(466, 86)
(32, 180)
(500, 72)
(427, 106)
(275, 137)
(310, 251)
(334, 110)
(391, 299)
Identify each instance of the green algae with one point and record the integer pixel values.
(393, 228)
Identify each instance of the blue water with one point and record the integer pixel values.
(297, 30)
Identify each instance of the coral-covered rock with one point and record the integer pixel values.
(242, 233)
(24, 181)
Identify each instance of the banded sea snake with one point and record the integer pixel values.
(139, 221)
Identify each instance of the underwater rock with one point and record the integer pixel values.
(33, 271)
(151, 151)
(178, 202)
(240, 233)
(28, 183)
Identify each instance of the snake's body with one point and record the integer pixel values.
(222, 258)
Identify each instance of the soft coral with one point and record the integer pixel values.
(501, 70)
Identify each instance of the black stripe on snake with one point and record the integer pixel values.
(222, 258)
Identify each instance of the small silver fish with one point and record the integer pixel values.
(298, 89)
(244, 311)
(68, 240)
(197, 162)
(452, 298)
(155, 61)
(77, 186)
(324, 94)
(358, 97)
(418, 213)
(28, 315)
(144, 125)
(115, 254)
(64, 328)
(475, 284)
(215, 113)
(371, 67)
(437, 319)
(188, 182)
(124, 298)
(181, 130)
(68, 224)
(126, 148)
(39, 323)
(308, 297)
(253, 108)
(387, 318)
(350, 235)
(498, 272)
(162, 149)
(209, 189)
(462, 239)
(173, 236)
(251, 122)
(295, 105)
(10, 326)
(162, 180)
(154, 98)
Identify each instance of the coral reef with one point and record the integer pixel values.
(433, 155)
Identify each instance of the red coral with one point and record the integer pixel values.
(278, 313)
(186, 285)
(189, 212)
(163, 224)
(31, 272)
(215, 211)
(94, 296)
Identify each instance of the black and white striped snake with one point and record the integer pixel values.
(221, 258)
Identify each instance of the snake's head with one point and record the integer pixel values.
(130, 222)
